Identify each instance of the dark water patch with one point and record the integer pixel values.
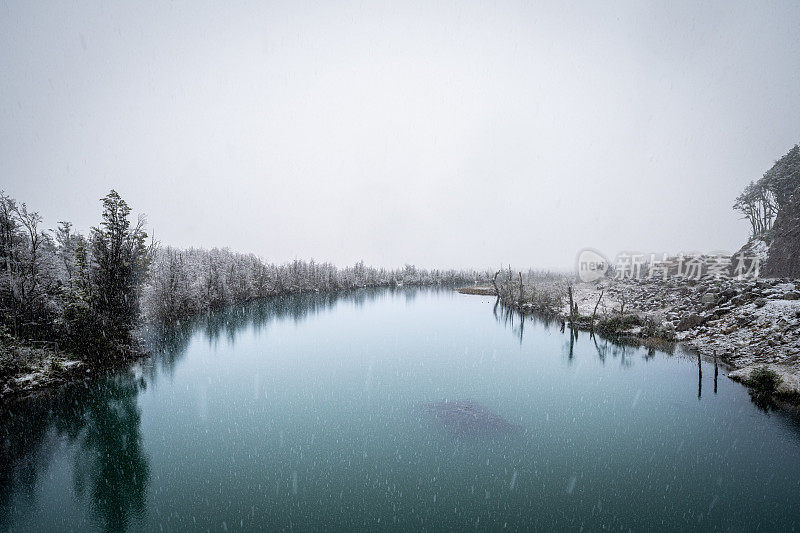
(467, 418)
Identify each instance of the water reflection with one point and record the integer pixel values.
(169, 344)
(101, 417)
(618, 348)
(699, 377)
(515, 320)
(767, 402)
(95, 429)
(110, 467)
(622, 350)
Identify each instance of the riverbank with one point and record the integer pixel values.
(27, 370)
(745, 323)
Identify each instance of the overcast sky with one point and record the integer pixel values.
(442, 134)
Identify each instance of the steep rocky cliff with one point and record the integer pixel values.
(783, 260)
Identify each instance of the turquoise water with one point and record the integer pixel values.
(303, 413)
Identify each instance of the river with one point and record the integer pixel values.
(308, 413)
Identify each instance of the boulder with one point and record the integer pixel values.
(689, 322)
(709, 298)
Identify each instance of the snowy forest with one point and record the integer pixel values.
(184, 282)
(88, 294)
(59, 287)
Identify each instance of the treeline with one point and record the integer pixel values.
(88, 294)
(184, 282)
(762, 199)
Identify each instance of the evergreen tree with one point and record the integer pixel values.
(79, 323)
(119, 266)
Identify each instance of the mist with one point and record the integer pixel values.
(439, 134)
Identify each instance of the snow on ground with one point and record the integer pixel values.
(747, 323)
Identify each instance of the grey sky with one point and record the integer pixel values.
(460, 134)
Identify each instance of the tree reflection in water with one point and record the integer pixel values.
(113, 469)
(101, 417)
(622, 350)
(103, 420)
(100, 420)
(604, 345)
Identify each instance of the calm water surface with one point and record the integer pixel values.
(303, 413)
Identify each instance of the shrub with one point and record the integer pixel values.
(764, 380)
(617, 324)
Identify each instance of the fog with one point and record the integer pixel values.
(441, 134)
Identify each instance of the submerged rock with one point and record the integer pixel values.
(465, 418)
